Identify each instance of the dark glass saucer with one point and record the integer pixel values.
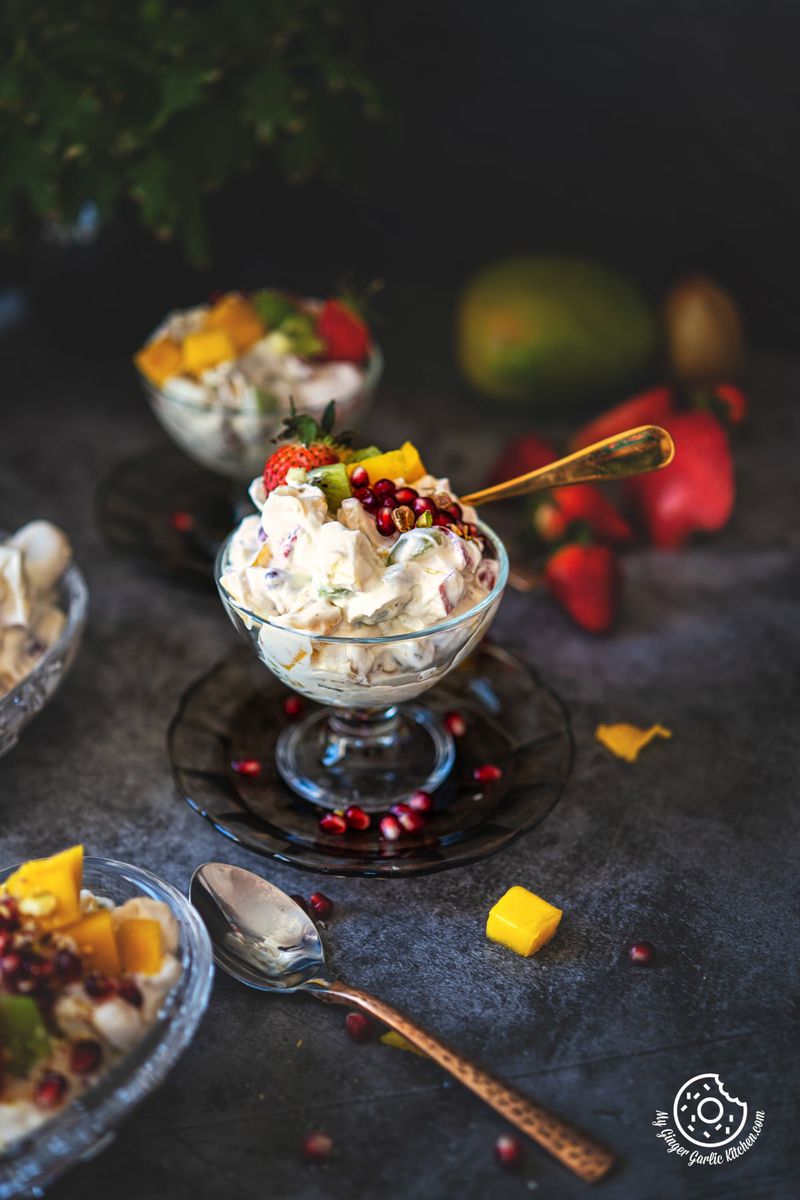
(235, 712)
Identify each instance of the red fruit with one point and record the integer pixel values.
(85, 1056)
(345, 335)
(293, 706)
(402, 807)
(246, 766)
(421, 802)
(356, 818)
(321, 905)
(641, 953)
(423, 504)
(333, 822)
(521, 455)
(443, 519)
(316, 1146)
(406, 495)
(69, 967)
(359, 477)
(508, 1152)
(390, 828)
(300, 901)
(367, 498)
(129, 992)
(410, 821)
(488, 773)
(730, 402)
(311, 445)
(585, 581)
(454, 509)
(99, 986)
(384, 487)
(653, 407)
(10, 966)
(6, 941)
(182, 521)
(359, 1027)
(384, 522)
(50, 1090)
(455, 724)
(9, 915)
(580, 502)
(696, 491)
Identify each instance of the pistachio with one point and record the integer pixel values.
(403, 517)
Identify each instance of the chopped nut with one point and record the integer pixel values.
(425, 520)
(442, 499)
(38, 906)
(404, 518)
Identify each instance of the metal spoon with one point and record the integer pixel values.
(263, 938)
(646, 448)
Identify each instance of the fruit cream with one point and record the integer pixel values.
(81, 982)
(32, 562)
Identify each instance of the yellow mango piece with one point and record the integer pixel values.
(522, 921)
(404, 463)
(49, 888)
(239, 319)
(96, 943)
(139, 944)
(160, 360)
(627, 741)
(392, 1038)
(205, 349)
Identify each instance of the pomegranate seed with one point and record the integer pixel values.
(472, 529)
(246, 766)
(85, 1057)
(6, 940)
(454, 509)
(359, 1027)
(508, 1152)
(421, 802)
(356, 818)
(455, 724)
(69, 967)
(320, 905)
(384, 522)
(50, 1090)
(384, 487)
(316, 1146)
(129, 992)
(488, 773)
(641, 953)
(333, 822)
(398, 809)
(390, 502)
(98, 986)
(423, 504)
(293, 706)
(411, 822)
(181, 520)
(443, 519)
(359, 477)
(390, 828)
(10, 965)
(9, 916)
(301, 901)
(406, 495)
(367, 499)
(40, 968)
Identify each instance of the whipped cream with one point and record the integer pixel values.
(32, 562)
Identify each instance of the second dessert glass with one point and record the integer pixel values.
(369, 744)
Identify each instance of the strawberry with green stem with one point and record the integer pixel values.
(312, 445)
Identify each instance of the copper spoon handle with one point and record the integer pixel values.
(585, 1157)
(646, 448)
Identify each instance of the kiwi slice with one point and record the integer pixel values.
(22, 1033)
(334, 483)
(365, 452)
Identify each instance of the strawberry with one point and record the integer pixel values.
(345, 335)
(585, 581)
(653, 407)
(696, 491)
(312, 445)
(724, 400)
(564, 507)
(521, 455)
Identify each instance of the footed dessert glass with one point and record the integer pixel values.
(369, 744)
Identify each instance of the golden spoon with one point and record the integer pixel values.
(646, 448)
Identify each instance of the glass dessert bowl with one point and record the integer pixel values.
(360, 590)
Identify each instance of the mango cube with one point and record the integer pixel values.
(95, 942)
(160, 360)
(404, 463)
(139, 942)
(522, 921)
(48, 889)
(205, 349)
(239, 319)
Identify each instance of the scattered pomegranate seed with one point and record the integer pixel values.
(359, 1027)
(320, 905)
(508, 1152)
(641, 953)
(129, 992)
(181, 520)
(421, 802)
(293, 706)
(50, 1090)
(316, 1146)
(85, 1057)
(384, 522)
(411, 822)
(356, 818)
(384, 487)
(333, 822)
(300, 901)
(69, 967)
(246, 766)
(488, 773)
(359, 477)
(397, 809)
(406, 495)
(423, 504)
(390, 828)
(98, 986)
(367, 499)
(455, 724)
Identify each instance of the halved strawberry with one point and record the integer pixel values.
(584, 503)
(585, 580)
(345, 335)
(521, 455)
(653, 407)
(312, 445)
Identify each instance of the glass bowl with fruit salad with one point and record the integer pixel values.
(360, 583)
(221, 376)
(105, 971)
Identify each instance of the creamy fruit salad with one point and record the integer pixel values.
(81, 982)
(32, 562)
(354, 545)
(221, 375)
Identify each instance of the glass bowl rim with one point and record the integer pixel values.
(386, 639)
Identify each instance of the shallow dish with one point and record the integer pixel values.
(86, 1125)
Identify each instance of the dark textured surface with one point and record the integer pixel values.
(692, 848)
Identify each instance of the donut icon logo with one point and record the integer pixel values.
(706, 1114)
